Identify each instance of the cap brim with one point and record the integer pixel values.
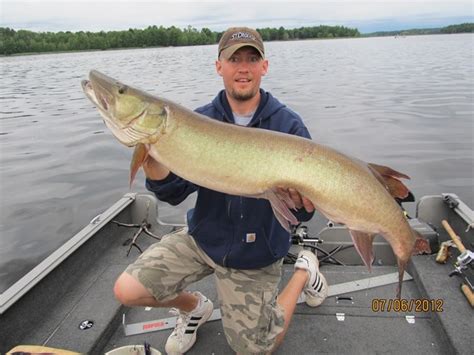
(227, 53)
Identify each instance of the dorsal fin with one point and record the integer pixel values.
(387, 171)
(391, 180)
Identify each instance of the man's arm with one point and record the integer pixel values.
(154, 170)
(166, 186)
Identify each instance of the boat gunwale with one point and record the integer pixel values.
(43, 269)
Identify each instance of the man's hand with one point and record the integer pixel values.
(298, 200)
(154, 170)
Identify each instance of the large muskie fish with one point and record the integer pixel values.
(254, 162)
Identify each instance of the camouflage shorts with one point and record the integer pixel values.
(250, 315)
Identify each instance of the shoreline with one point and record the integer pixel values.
(198, 45)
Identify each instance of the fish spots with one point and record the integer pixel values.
(302, 155)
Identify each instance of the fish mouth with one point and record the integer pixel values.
(96, 95)
(89, 91)
(126, 133)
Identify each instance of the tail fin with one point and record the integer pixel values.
(422, 245)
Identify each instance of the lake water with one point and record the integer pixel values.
(402, 102)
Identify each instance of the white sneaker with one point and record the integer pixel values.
(183, 336)
(316, 288)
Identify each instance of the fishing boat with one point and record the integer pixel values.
(67, 300)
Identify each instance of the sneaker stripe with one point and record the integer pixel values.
(183, 336)
(320, 286)
(305, 259)
(316, 281)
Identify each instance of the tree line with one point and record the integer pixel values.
(23, 41)
(461, 28)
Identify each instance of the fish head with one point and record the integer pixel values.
(132, 115)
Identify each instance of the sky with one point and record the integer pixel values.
(107, 15)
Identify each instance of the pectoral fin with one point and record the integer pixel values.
(363, 244)
(279, 203)
(139, 156)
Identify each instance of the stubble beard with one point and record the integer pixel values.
(243, 95)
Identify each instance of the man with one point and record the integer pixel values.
(236, 238)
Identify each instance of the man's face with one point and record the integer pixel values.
(242, 73)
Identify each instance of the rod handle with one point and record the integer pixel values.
(468, 293)
(453, 236)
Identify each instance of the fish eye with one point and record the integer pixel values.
(122, 89)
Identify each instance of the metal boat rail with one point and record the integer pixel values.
(27, 282)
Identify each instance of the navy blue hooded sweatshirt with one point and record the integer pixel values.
(235, 231)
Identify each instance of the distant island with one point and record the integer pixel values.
(23, 41)
(461, 28)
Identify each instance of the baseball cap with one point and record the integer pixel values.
(238, 37)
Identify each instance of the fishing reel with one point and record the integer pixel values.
(299, 236)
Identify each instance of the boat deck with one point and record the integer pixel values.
(80, 288)
(317, 330)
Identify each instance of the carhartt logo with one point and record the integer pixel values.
(243, 35)
(250, 237)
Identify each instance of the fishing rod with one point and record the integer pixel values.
(464, 264)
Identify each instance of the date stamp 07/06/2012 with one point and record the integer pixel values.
(407, 305)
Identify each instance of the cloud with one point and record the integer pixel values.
(218, 15)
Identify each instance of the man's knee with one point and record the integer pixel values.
(121, 289)
(129, 291)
